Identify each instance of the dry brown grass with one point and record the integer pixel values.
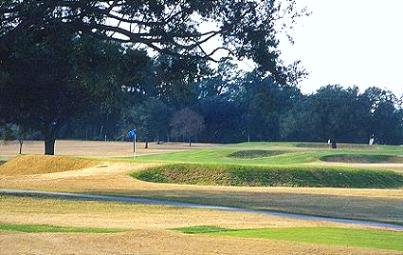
(147, 242)
(112, 178)
(148, 234)
(132, 216)
(148, 222)
(95, 148)
(40, 164)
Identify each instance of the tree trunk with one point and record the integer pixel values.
(50, 145)
(334, 144)
(190, 142)
(21, 143)
(146, 144)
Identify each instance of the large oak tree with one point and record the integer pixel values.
(36, 45)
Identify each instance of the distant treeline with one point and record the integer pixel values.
(230, 108)
(102, 89)
(224, 105)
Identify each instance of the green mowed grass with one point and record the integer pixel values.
(289, 176)
(378, 239)
(252, 154)
(34, 228)
(270, 154)
(276, 164)
(362, 158)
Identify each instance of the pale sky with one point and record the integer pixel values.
(350, 42)
(346, 42)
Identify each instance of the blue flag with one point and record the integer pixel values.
(131, 134)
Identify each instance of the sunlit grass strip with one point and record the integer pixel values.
(27, 228)
(287, 176)
(378, 239)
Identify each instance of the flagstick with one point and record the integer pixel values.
(134, 145)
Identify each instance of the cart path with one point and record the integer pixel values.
(151, 201)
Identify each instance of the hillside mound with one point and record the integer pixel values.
(40, 164)
(304, 176)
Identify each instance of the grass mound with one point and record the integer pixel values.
(236, 175)
(39, 164)
(252, 154)
(378, 239)
(54, 229)
(362, 158)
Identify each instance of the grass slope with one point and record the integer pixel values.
(362, 158)
(291, 176)
(251, 154)
(291, 154)
(378, 239)
(54, 229)
(39, 164)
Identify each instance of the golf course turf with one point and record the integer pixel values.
(378, 239)
(362, 158)
(251, 154)
(290, 176)
(36, 228)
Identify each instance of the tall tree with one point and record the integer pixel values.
(46, 83)
(151, 119)
(186, 123)
(385, 119)
(247, 28)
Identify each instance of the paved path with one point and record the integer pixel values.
(150, 201)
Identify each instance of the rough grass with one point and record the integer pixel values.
(251, 154)
(362, 158)
(290, 176)
(378, 239)
(39, 164)
(34, 228)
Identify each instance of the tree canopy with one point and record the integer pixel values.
(246, 28)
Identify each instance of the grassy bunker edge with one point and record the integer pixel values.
(254, 154)
(362, 158)
(285, 176)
